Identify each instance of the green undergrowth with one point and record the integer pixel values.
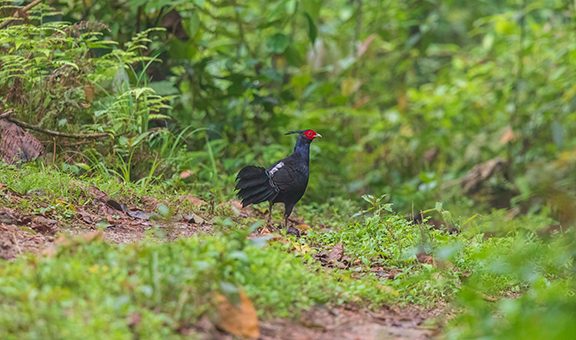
(520, 288)
(91, 289)
(501, 276)
(43, 180)
(57, 194)
(504, 278)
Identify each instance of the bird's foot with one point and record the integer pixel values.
(294, 231)
(269, 228)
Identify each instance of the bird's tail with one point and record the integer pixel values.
(253, 185)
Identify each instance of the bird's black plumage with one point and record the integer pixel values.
(284, 182)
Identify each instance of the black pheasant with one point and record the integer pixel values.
(284, 182)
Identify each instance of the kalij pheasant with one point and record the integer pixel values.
(284, 182)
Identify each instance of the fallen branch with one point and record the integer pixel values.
(56, 133)
(6, 114)
(23, 10)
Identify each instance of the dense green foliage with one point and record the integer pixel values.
(409, 96)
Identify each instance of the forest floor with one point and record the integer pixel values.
(38, 232)
(88, 257)
(93, 257)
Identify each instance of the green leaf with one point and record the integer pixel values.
(278, 43)
(312, 7)
(192, 24)
(438, 206)
(239, 255)
(312, 29)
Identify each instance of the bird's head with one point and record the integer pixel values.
(307, 134)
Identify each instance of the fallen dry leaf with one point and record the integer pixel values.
(194, 219)
(139, 214)
(239, 211)
(185, 174)
(86, 217)
(336, 253)
(98, 194)
(304, 227)
(302, 248)
(8, 216)
(424, 258)
(195, 201)
(335, 257)
(44, 225)
(240, 320)
(66, 240)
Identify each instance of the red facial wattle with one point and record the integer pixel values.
(311, 134)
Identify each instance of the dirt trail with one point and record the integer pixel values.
(22, 232)
(340, 323)
(25, 232)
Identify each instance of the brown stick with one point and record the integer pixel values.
(54, 151)
(56, 133)
(23, 10)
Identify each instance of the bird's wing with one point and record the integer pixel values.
(282, 176)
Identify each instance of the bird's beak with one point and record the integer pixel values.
(318, 136)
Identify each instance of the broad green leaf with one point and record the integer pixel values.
(312, 30)
(278, 43)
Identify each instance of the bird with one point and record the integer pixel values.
(283, 182)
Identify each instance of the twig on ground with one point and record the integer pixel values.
(5, 114)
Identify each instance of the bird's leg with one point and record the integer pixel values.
(287, 212)
(269, 221)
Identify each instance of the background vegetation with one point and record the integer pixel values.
(472, 104)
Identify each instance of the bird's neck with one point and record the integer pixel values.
(302, 148)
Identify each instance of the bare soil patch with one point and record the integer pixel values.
(22, 232)
(325, 323)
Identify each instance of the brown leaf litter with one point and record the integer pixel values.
(238, 318)
(334, 257)
(21, 232)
